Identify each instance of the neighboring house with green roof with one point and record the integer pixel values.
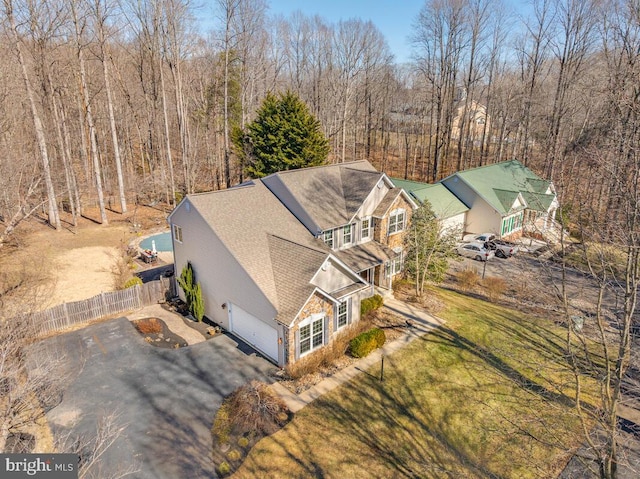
(504, 198)
(451, 212)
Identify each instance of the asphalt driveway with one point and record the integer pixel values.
(166, 398)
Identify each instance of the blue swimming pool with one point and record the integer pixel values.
(163, 242)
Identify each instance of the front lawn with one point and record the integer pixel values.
(487, 395)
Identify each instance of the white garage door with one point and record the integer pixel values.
(255, 332)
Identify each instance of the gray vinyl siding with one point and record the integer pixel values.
(373, 200)
(222, 278)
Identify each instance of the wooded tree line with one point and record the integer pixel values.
(107, 102)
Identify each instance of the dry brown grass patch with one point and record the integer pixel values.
(148, 325)
(468, 279)
(494, 287)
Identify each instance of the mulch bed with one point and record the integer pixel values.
(203, 327)
(393, 327)
(237, 429)
(155, 332)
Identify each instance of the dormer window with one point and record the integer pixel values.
(347, 234)
(365, 228)
(327, 236)
(396, 221)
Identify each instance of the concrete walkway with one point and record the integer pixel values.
(421, 323)
(173, 321)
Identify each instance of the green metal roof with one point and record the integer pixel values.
(500, 182)
(538, 201)
(444, 203)
(507, 199)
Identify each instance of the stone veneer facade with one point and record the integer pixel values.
(395, 240)
(380, 232)
(316, 304)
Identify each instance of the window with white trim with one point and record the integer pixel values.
(394, 266)
(177, 233)
(312, 335)
(347, 234)
(396, 221)
(328, 238)
(365, 228)
(342, 314)
(511, 223)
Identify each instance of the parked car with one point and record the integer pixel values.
(475, 250)
(483, 238)
(503, 249)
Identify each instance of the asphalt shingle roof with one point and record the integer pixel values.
(386, 202)
(365, 255)
(331, 194)
(293, 267)
(244, 218)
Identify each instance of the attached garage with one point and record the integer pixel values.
(255, 332)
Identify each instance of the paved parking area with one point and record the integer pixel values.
(167, 399)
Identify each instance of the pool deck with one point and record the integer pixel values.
(163, 256)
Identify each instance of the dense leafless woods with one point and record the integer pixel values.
(105, 102)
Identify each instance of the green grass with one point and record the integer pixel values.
(488, 395)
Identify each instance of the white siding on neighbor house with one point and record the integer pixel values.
(222, 278)
(332, 278)
(455, 223)
(481, 217)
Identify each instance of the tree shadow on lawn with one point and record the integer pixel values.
(367, 426)
(387, 428)
(449, 337)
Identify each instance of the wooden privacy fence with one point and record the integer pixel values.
(100, 306)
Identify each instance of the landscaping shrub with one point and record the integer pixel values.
(197, 304)
(234, 455)
(243, 442)
(130, 283)
(495, 287)
(222, 425)
(148, 325)
(468, 278)
(224, 469)
(364, 343)
(370, 304)
(304, 366)
(326, 356)
(336, 348)
(254, 408)
(192, 291)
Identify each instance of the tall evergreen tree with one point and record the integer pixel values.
(284, 136)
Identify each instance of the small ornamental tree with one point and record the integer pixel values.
(186, 282)
(192, 292)
(197, 303)
(283, 136)
(428, 247)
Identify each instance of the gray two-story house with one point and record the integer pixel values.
(284, 261)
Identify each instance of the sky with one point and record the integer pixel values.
(394, 18)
